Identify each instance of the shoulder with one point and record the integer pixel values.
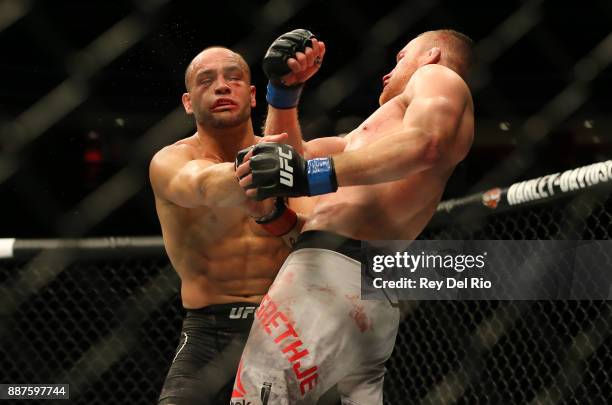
(437, 80)
(177, 151)
(438, 72)
(172, 158)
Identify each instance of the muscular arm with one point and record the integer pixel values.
(285, 120)
(187, 182)
(323, 147)
(437, 101)
(303, 67)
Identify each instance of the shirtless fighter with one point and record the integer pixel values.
(312, 330)
(225, 260)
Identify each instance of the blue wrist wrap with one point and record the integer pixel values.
(321, 176)
(283, 97)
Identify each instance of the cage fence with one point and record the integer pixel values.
(104, 315)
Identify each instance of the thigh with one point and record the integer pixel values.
(204, 366)
(311, 330)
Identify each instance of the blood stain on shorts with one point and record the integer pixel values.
(315, 287)
(288, 277)
(358, 313)
(360, 317)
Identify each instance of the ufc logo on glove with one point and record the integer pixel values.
(279, 171)
(286, 176)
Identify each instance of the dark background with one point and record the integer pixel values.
(90, 90)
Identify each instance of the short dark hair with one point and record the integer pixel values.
(189, 67)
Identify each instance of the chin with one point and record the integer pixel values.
(383, 98)
(224, 123)
(232, 121)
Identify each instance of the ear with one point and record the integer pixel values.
(253, 98)
(186, 99)
(432, 56)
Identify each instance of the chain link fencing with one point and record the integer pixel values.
(108, 322)
(509, 352)
(108, 327)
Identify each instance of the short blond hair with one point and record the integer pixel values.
(458, 53)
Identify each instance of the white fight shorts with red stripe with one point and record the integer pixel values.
(312, 330)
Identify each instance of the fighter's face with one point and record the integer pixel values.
(407, 62)
(220, 94)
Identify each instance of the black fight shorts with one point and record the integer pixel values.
(207, 356)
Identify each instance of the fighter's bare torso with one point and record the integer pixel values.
(220, 253)
(391, 210)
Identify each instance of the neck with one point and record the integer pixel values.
(226, 142)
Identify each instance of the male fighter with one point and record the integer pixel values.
(312, 330)
(225, 260)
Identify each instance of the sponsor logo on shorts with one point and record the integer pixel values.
(286, 171)
(265, 393)
(241, 312)
(278, 325)
(492, 197)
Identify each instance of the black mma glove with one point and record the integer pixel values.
(275, 67)
(240, 156)
(279, 171)
(282, 219)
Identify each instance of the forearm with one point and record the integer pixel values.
(285, 120)
(289, 63)
(394, 157)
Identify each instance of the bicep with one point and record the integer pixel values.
(438, 117)
(173, 175)
(436, 108)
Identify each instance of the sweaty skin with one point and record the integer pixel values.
(402, 205)
(393, 168)
(219, 252)
(391, 172)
